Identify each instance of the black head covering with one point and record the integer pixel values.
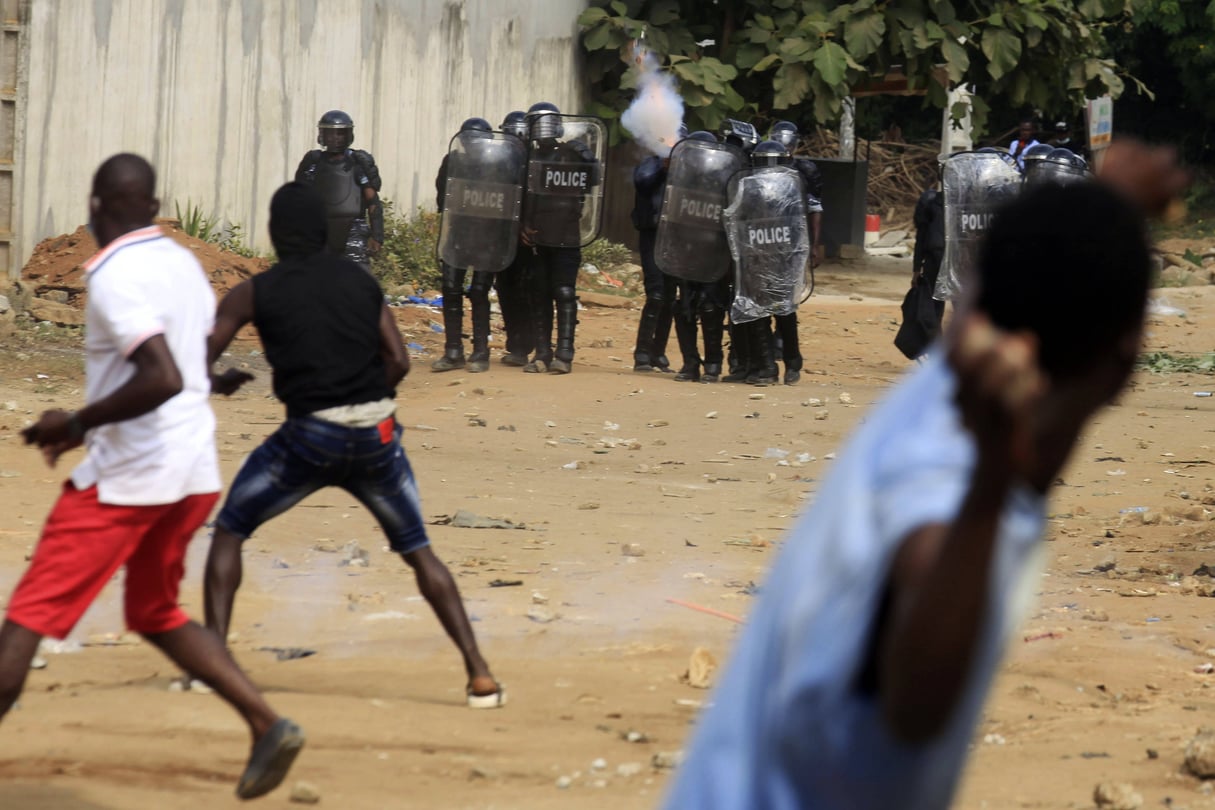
(298, 227)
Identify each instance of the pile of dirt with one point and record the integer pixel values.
(57, 262)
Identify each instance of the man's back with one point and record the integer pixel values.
(144, 284)
(318, 318)
(796, 722)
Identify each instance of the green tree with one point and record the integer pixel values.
(1170, 45)
(800, 59)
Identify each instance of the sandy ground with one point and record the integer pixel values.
(1101, 684)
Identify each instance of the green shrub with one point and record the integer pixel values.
(408, 253)
(606, 255)
(229, 236)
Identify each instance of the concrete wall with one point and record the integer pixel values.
(223, 95)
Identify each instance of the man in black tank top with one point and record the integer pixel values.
(337, 357)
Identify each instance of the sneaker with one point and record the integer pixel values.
(477, 366)
(642, 368)
(559, 366)
(536, 367)
(792, 375)
(446, 363)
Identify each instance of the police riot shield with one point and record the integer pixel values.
(336, 183)
(769, 241)
(482, 200)
(1058, 166)
(691, 242)
(563, 203)
(976, 184)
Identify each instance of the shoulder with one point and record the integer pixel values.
(363, 157)
(311, 156)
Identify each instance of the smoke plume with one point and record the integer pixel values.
(656, 113)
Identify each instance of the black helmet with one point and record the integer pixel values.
(479, 124)
(785, 133)
(770, 153)
(544, 127)
(515, 123)
(703, 135)
(335, 121)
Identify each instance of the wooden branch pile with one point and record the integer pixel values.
(898, 172)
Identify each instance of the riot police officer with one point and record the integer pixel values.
(654, 326)
(348, 182)
(453, 291)
(553, 229)
(511, 283)
(786, 134)
(769, 235)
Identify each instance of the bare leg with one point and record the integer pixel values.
(18, 646)
(223, 577)
(440, 591)
(205, 656)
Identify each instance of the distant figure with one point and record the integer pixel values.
(1026, 137)
(150, 475)
(349, 183)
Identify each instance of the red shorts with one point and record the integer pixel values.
(85, 542)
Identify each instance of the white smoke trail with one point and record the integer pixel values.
(656, 114)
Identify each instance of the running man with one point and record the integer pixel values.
(150, 475)
(337, 357)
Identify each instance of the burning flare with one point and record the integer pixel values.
(656, 114)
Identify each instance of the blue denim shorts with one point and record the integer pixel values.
(307, 454)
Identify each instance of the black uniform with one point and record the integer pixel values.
(453, 303)
(552, 272)
(654, 328)
(340, 179)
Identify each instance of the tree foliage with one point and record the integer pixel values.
(799, 59)
(1170, 45)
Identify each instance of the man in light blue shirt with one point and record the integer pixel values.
(862, 671)
(1026, 137)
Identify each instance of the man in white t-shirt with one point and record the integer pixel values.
(150, 475)
(862, 671)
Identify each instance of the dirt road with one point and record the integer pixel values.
(704, 479)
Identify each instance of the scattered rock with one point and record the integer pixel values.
(627, 769)
(599, 764)
(1108, 564)
(1116, 796)
(591, 299)
(305, 793)
(821, 415)
(4, 304)
(632, 550)
(541, 616)
(1200, 754)
(356, 556)
(279, 562)
(667, 760)
(701, 668)
(57, 296)
(563, 782)
(463, 519)
(59, 314)
(1091, 615)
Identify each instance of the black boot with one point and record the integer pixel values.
(567, 322)
(643, 352)
(740, 353)
(542, 329)
(662, 333)
(479, 359)
(453, 340)
(712, 327)
(685, 335)
(763, 354)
